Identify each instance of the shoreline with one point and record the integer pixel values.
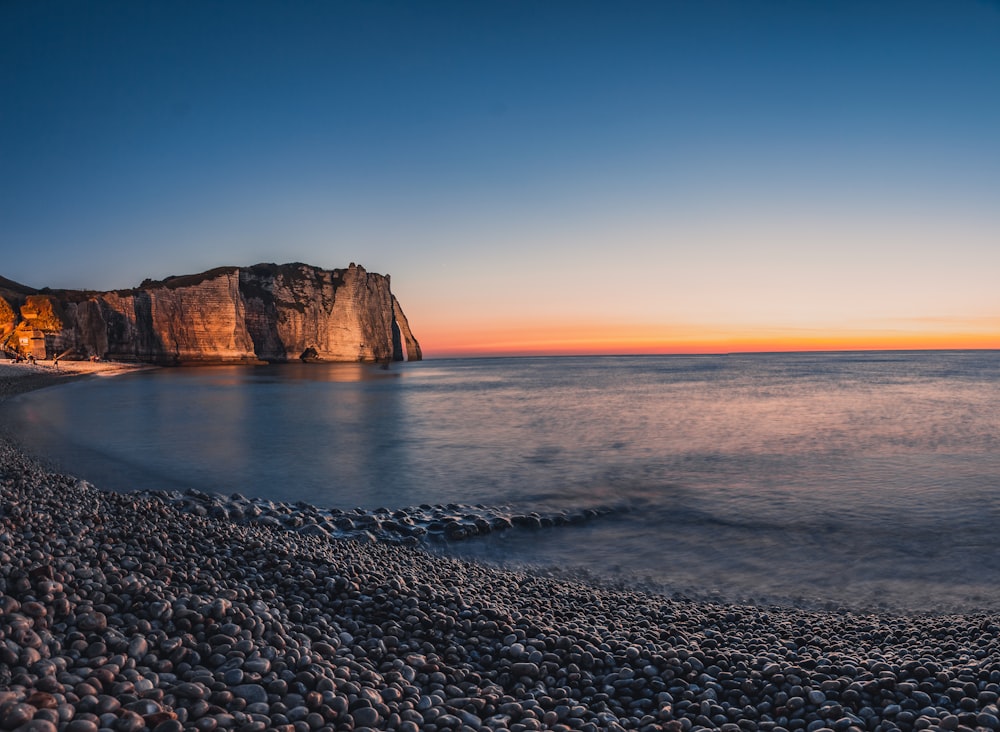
(20, 378)
(122, 612)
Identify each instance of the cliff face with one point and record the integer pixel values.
(266, 312)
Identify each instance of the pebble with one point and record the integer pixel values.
(251, 693)
(81, 725)
(173, 611)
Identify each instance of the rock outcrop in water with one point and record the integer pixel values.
(266, 312)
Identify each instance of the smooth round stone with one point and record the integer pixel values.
(107, 704)
(525, 668)
(950, 721)
(233, 676)
(188, 690)
(28, 639)
(365, 716)
(129, 722)
(93, 621)
(42, 700)
(160, 610)
(170, 725)
(123, 689)
(990, 721)
(34, 609)
(225, 720)
(143, 707)
(254, 726)
(257, 665)
(17, 715)
(816, 697)
(38, 725)
(138, 647)
(252, 693)
(81, 725)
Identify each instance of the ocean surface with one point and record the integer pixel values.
(858, 480)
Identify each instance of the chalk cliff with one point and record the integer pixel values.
(266, 312)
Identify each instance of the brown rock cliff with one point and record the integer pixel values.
(266, 312)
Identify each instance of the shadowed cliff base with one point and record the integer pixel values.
(266, 312)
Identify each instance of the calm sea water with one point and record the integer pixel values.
(857, 479)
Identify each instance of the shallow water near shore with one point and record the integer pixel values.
(844, 479)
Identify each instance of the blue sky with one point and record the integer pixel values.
(538, 172)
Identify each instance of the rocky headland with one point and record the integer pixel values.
(145, 611)
(266, 312)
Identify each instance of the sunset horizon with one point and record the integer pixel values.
(538, 178)
(707, 339)
(571, 338)
(747, 346)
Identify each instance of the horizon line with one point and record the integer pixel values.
(624, 354)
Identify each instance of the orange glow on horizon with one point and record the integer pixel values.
(580, 340)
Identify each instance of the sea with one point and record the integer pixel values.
(854, 480)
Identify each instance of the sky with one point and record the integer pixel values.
(537, 177)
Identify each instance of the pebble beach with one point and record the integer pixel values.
(130, 611)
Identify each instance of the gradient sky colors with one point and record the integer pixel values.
(538, 177)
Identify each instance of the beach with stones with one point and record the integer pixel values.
(158, 611)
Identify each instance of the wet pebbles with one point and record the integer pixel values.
(135, 612)
(411, 525)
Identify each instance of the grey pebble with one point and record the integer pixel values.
(81, 725)
(252, 693)
(365, 716)
(816, 697)
(38, 725)
(189, 690)
(525, 669)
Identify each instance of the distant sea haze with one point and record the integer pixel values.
(833, 479)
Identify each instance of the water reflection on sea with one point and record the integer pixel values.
(844, 478)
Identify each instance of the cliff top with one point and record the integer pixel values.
(16, 291)
(174, 282)
(11, 288)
